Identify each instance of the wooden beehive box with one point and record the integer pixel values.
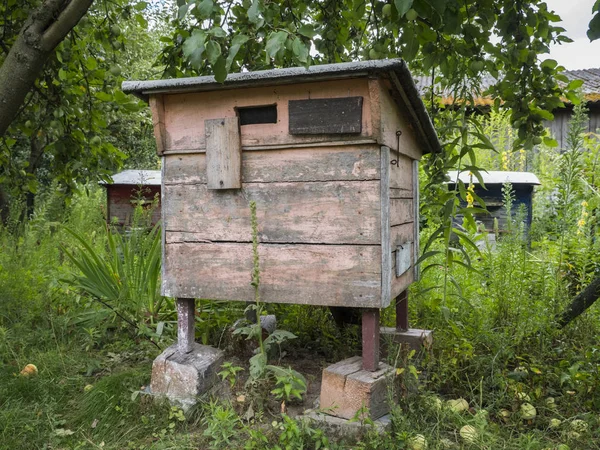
(522, 185)
(328, 155)
(129, 187)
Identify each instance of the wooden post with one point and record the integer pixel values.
(186, 322)
(402, 311)
(370, 339)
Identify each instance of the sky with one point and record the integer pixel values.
(580, 54)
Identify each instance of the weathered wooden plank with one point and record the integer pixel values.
(340, 212)
(318, 164)
(401, 211)
(401, 193)
(393, 120)
(332, 275)
(341, 115)
(401, 283)
(158, 121)
(186, 132)
(400, 234)
(401, 172)
(223, 153)
(386, 263)
(416, 230)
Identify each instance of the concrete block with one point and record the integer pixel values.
(348, 391)
(340, 429)
(413, 337)
(181, 377)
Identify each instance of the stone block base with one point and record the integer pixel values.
(413, 337)
(340, 429)
(348, 391)
(182, 377)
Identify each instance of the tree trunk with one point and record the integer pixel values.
(580, 303)
(42, 32)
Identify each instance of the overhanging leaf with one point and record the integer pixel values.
(236, 44)
(402, 6)
(193, 48)
(213, 51)
(275, 43)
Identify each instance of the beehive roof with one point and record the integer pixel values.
(393, 69)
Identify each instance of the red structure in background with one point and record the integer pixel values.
(127, 189)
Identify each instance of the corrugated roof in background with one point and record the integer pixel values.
(496, 177)
(137, 177)
(590, 88)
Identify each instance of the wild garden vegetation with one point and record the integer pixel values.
(81, 318)
(80, 303)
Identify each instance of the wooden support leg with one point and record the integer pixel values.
(402, 311)
(186, 309)
(370, 339)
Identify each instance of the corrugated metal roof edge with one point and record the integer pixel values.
(496, 177)
(402, 81)
(133, 177)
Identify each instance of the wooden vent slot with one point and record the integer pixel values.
(326, 116)
(254, 115)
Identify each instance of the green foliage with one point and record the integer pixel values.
(299, 435)
(229, 373)
(289, 384)
(124, 279)
(221, 423)
(76, 125)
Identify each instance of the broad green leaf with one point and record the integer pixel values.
(32, 186)
(236, 44)
(549, 63)
(140, 6)
(575, 84)
(402, 6)
(213, 51)
(258, 364)
(300, 50)
(193, 48)
(593, 32)
(141, 21)
(275, 43)
(220, 69)
(549, 142)
(217, 32)
(573, 98)
(205, 8)
(182, 11)
(254, 11)
(91, 63)
(411, 49)
(307, 30)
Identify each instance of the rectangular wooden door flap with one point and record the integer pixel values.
(404, 254)
(223, 153)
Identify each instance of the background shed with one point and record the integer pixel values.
(522, 184)
(129, 187)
